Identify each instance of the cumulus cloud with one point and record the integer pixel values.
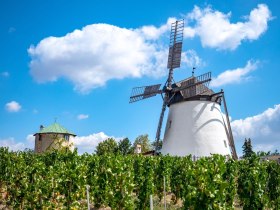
(153, 32)
(30, 141)
(216, 31)
(82, 116)
(191, 59)
(263, 129)
(90, 142)
(97, 53)
(91, 56)
(14, 145)
(83, 143)
(13, 106)
(101, 52)
(234, 76)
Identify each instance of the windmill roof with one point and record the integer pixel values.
(199, 89)
(55, 128)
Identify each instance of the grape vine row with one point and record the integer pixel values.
(57, 180)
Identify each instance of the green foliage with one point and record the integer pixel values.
(276, 152)
(146, 186)
(144, 141)
(154, 144)
(252, 183)
(262, 153)
(163, 169)
(247, 148)
(180, 175)
(124, 147)
(57, 180)
(109, 146)
(269, 153)
(209, 184)
(273, 185)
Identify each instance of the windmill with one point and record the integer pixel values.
(195, 123)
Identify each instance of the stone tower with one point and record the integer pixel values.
(53, 137)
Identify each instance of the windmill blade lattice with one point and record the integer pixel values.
(174, 56)
(140, 93)
(175, 44)
(174, 61)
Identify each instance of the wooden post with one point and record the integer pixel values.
(164, 193)
(88, 204)
(151, 202)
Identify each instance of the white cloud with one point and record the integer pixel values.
(191, 59)
(5, 74)
(30, 141)
(13, 106)
(263, 129)
(82, 116)
(216, 31)
(101, 52)
(264, 147)
(98, 53)
(152, 32)
(234, 76)
(189, 32)
(14, 145)
(90, 142)
(83, 143)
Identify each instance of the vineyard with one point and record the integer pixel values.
(57, 180)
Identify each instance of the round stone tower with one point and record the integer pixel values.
(53, 137)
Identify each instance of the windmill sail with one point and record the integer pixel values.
(140, 93)
(184, 98)
(174, 61)
(175, 45)
(174, 56)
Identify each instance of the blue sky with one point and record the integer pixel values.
(77, 61)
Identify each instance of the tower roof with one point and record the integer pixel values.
(55, 128)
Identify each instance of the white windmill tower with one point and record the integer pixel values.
(195, 123)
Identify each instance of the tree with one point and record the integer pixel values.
(109, 146)
(154, 144)
(262, 153)
(124, 147)
(275, 152)
(247, 148)
(144, 141)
